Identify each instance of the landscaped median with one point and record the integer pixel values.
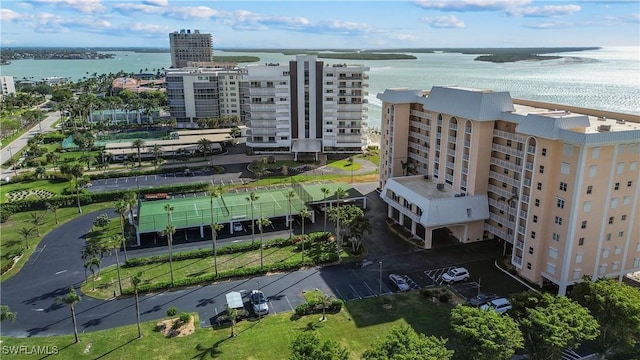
(197, 266)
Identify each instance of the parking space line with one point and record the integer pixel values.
(116, 180)
(373, 293)
(272, 308)
(355, 292)
(145, 177)
(156, 177)
(340, 295)
(288, 302)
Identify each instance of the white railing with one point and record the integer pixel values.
(506, 150)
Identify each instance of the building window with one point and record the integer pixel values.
(544, 151)
(576, 274)
(529, 265)
(593, 169)
(616, 186)
(584, 225)
(541, 169)
(560, 203)
(610, 220)
(608, 237)
(565, 168)
(537, 202)
(539, 186)
(618, 250)
(507, 157)
(636, 262)
(530, 249)
(587, 206)
(623, 217)
(603, 269)
(595, 153)
(551, 269)
(620, 168)
(627, 200)
(558, 220)
(621, 234)
(506, 171)
(581, 241)
(567, 149)
(556, 237)
(579, 258)
(614, 203)
(589, 189)
(563, 186)
(605, 253)
(533, 234)
(629, 183)
(535, 218)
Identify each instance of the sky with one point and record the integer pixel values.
(354, 24)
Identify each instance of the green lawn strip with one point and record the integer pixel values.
(159, 272)
(11, 242)
(344, 165)
(55, 187)
(375, 158)
(267, 339)
(346, 178)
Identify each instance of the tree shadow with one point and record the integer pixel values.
(116, 348)
(212, 351)
(205, 302)
(312, 325)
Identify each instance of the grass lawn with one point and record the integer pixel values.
(356, 327)
(54, 187)
(344, 165)
(11, 242)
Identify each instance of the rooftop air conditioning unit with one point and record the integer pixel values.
(440, 187)
(602, 128)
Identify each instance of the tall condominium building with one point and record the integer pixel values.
(307, 107)
(195, 93)
(7, 86)
(557, 185)
(189, 46)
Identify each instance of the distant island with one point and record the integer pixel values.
(235, 59)
(8, 54)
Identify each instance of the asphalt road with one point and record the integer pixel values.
(56, 265)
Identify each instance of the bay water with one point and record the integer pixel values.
(605, 79)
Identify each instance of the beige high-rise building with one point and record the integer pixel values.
(558, 185)
(187, 46)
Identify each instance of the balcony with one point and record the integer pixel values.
(452, 139)
(506, 150)
(503, 178)
(509, 136)
(505, 164)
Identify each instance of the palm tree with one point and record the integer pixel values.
(121, 208)
(215, 227)
(36, 220)
(157, 151)
(325, 301)
(7, 314)
(168, 232)
(92, 264)
(26, 234)
(138, 144)
(116, 242)
(325, 193)
(304, 214)
(71, 300)
(54, 209)
(262, 222)
(252, 198)
(359, 226)
(233, 316)
(204, 146)
(290, 195)
(340, 194)
(135, 281)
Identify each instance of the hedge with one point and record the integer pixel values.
(315, 307)
(9, 208)
(170, 170)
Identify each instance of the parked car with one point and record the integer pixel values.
(259, 302)
(480, 299)
(400, 282)
(237, 227)
(455, 275)
(499, 305)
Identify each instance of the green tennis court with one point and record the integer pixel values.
(195, 211)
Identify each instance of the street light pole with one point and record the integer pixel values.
(380, 293)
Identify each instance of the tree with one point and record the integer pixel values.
(325, 193)
(304, 214)
(262, 222)
(285, 170)
(215, 227)
(157, 151)
(26, 234)
(290, 195)
(233, 316)
(116, 242)
(168, 232)
(138, 144)
(485, 335)
(101, 221)
(403, 342)
(88, 159)
(121, 208)
(135, 281)
(6, 314)
(616, 306)
(204, 146)
(340, 194)
(37, 219)
(71, 299)
(54, 209)
(551, 323)
(75, 171)
(325, 302)
(93, 264)
(358, 225)
(252, 198)
(308, 346)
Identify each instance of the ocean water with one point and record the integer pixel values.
(606, 79)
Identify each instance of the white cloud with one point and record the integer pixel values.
(551, 25)
(446, 22)
(7, 42)
(470, 5)
(149, 29)
(545, 11)
(130, 9)
(197, 12)
(83, 6)
(9, 15)
(156, 2)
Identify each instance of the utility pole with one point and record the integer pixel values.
(380, 292)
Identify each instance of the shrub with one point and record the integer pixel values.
(444, 297)
(185, 317)
(172, 311)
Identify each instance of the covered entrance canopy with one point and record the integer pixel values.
(313, 146)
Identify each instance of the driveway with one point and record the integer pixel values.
(56, 265)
